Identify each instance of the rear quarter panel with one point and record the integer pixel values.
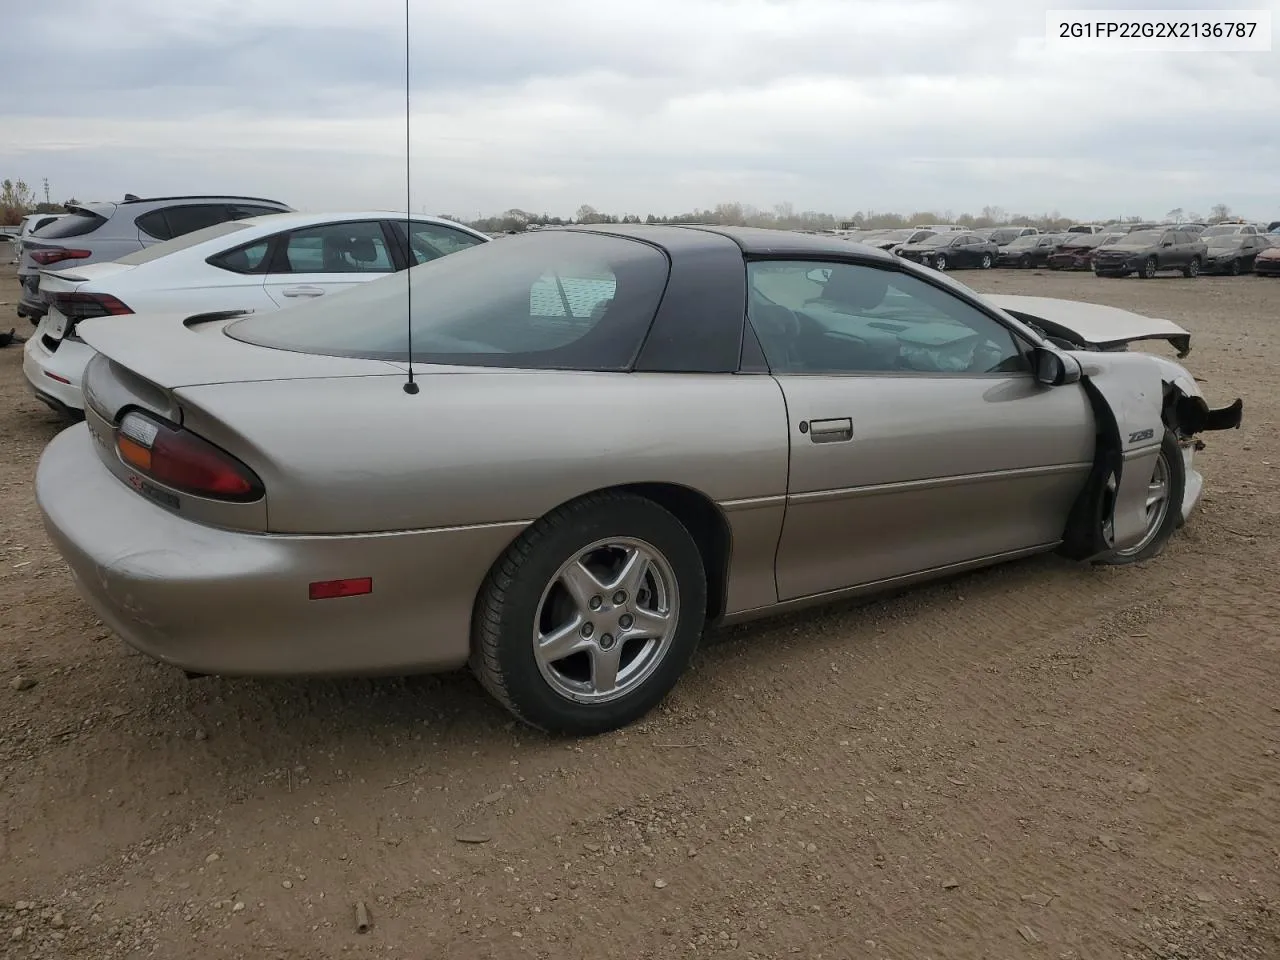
(358, 454)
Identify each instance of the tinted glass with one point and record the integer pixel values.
(1143, 238)
(939, 240)
(185, 219)
(241, 211)
(1024, 243)
(163, 249)
(357, 247)
(552, 300)
(79, 223)
(866, 320)
(250, 258)
(1004, 235)
(428, 241)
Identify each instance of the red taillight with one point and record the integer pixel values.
(86, 306)
(57, 255)
(179, 459)
(331, 589)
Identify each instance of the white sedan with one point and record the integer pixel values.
(254, 265)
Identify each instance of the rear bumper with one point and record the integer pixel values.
(54, 375)
(226, 602)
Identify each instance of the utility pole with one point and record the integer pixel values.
(46, 189)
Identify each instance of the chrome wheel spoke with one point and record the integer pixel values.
(630, 578)
(649, 623)
(1156, 492)
(582, 585)
(604, 669)
(562, 642)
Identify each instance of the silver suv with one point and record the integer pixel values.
(95, 232)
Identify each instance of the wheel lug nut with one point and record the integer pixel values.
(620, 597)
(596, 603)
(625, 621)
(588, 629)
(606, 641)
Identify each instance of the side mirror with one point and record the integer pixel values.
(1055, 369)
(819, 274)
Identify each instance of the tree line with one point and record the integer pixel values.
(784, 216)
(17, 199)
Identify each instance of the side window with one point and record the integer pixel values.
(247, 259)
(183, 220)
(813, 317)
(1249, 231)
(357, 247)
(429, 241)
(243, 211)
(153, 224)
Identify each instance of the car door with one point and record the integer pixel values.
(919, 437)
(324, 258)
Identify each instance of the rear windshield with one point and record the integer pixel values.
(549, 300)
(166, 247)
(77, 224)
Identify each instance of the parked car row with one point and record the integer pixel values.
(253, 264)
(1115, 250)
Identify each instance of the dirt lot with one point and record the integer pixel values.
(1041, 760)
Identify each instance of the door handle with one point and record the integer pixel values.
(833, 430)
(302, 292)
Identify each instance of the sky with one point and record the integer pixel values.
(633, 106)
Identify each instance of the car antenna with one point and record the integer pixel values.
(411, 386)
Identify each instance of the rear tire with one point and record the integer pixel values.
(584, 655)
(1162, 518)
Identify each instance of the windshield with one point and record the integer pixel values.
(166, 247)
(1143, 238)
(564, 300)
(1233, 240)
(1222, 230)
(1023, 242)
(897, 236)
(1005, 234)
(938, 240)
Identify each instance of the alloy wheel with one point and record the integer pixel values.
(606, 620)
(1157, 506)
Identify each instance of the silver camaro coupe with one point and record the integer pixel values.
(613, 437)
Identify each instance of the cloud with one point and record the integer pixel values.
(660, 105)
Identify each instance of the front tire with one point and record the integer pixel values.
(1149, 267)
(1235, 268)
(591, 616)
(986, 261)
(1164, 505)
(1192, 269)
(940, 263)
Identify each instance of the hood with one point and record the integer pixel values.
(69, 278)
(1271, 253)
(1094, 325)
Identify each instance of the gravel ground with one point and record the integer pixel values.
(1040, 760)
